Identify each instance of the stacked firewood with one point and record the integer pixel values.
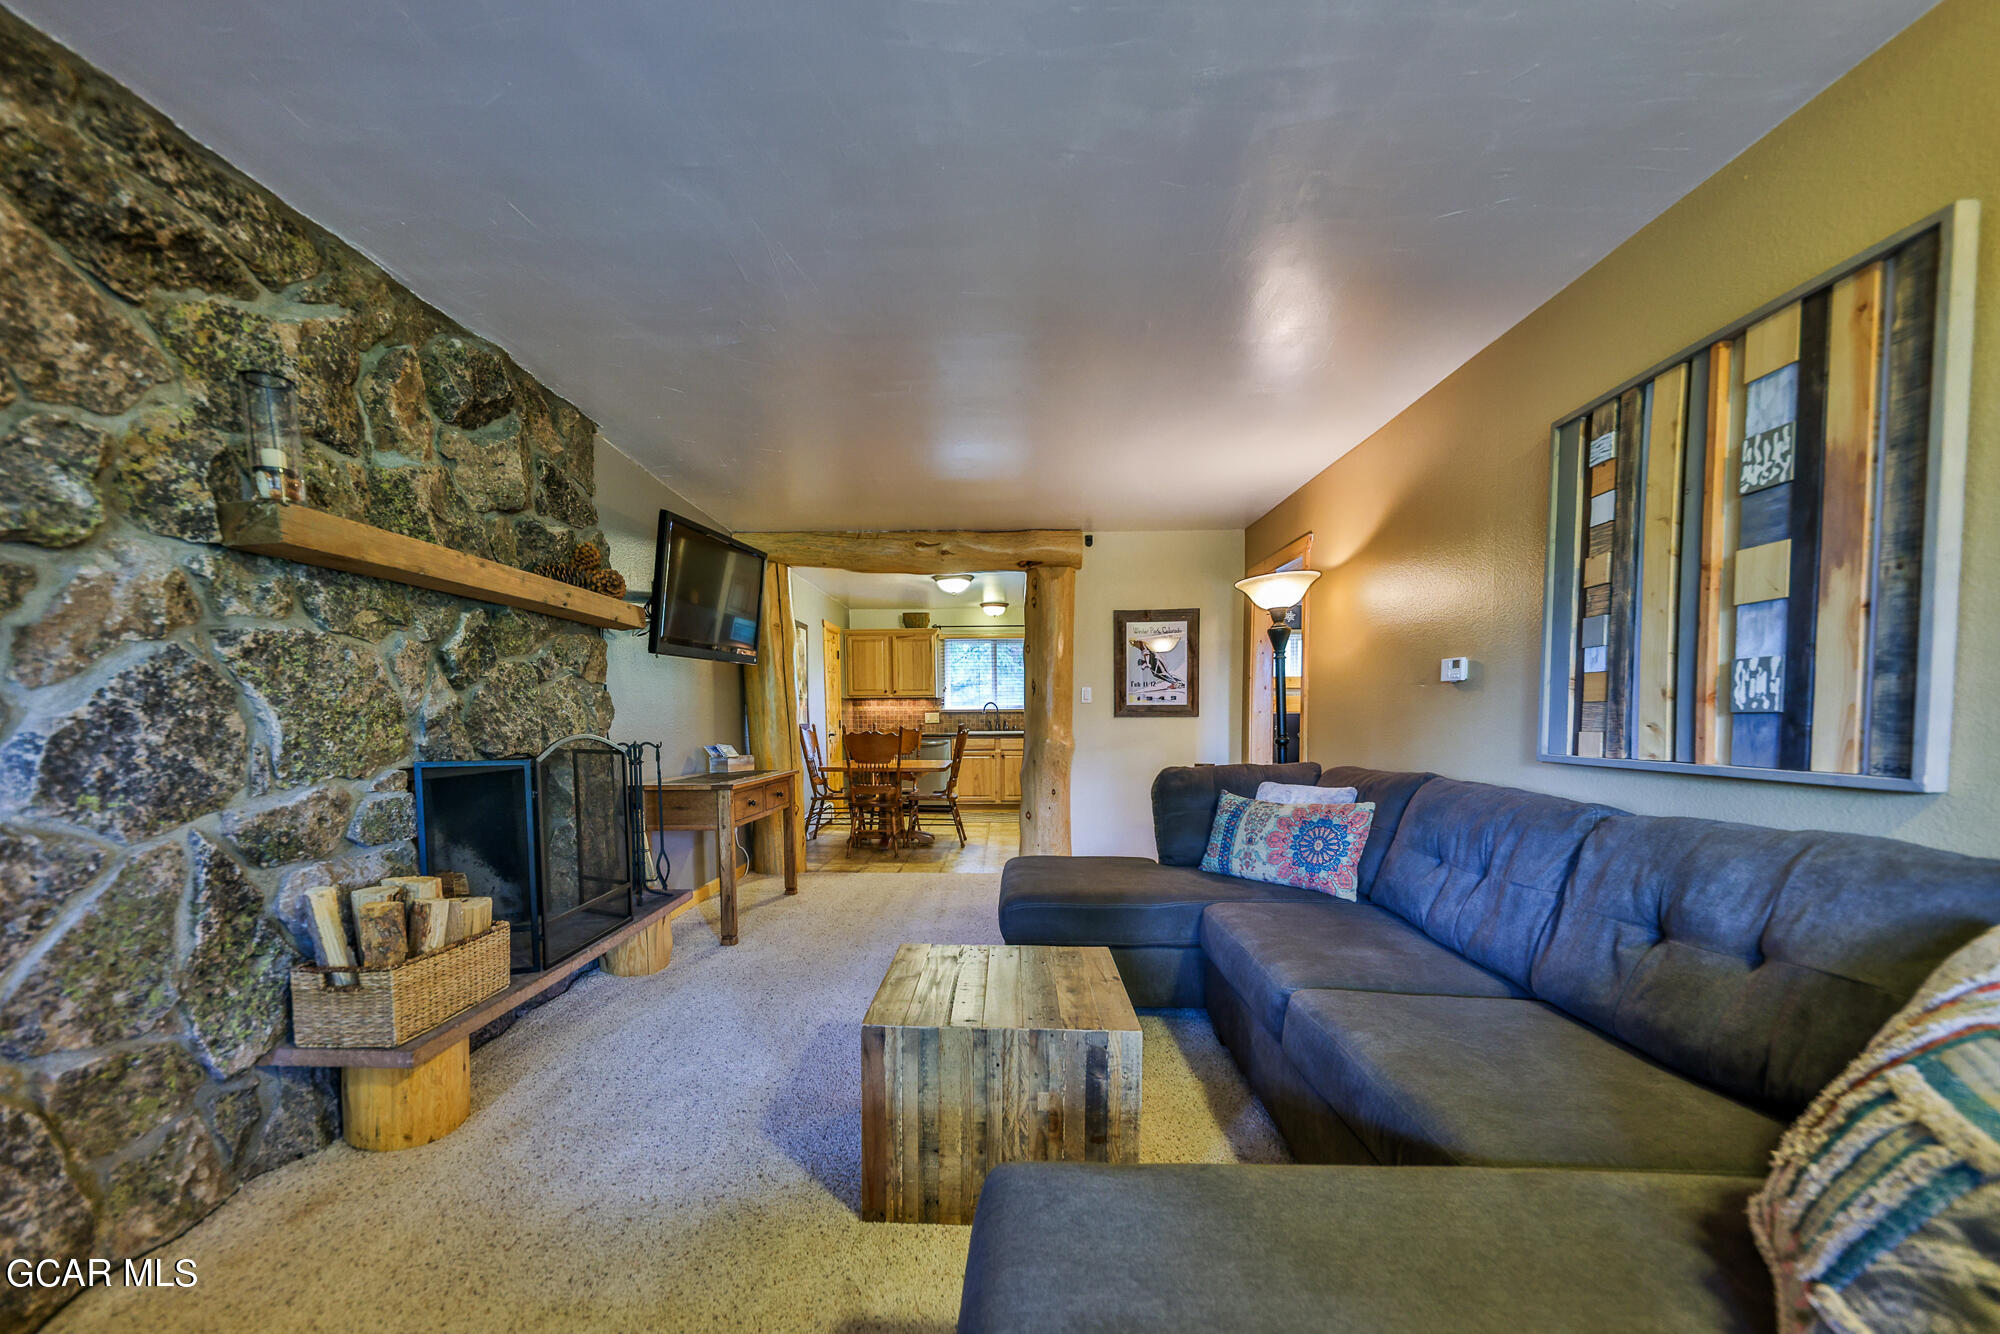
(404, 917)
(585, 568)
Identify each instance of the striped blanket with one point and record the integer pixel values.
(1882, 1210)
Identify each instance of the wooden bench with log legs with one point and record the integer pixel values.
(402, 1097)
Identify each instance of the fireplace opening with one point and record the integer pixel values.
(549, 839)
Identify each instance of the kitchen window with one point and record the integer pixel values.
(982, 671)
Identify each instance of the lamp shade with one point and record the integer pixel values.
(1283, 588)
(952, 583)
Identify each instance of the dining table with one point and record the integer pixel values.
(911, 768)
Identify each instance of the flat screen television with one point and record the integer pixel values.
(708, 592)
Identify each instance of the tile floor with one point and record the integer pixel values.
(992, 835)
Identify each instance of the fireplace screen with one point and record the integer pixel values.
(586, 844)
(549, 840)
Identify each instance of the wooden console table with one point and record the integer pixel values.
(723, 803)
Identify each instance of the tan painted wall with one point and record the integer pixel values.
(1432, 531)
(1111, 783)
(815, 606)
(682, 703)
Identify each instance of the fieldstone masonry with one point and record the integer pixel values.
(192, 737)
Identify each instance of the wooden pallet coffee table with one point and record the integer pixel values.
(976, 1055)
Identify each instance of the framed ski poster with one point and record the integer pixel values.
(1159, 663)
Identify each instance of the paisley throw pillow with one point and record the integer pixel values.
(1310, 847)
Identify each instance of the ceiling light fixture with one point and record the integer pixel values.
(952, 583)
(994, 608)
(1163, 643)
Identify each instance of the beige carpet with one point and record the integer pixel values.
(678, 1152)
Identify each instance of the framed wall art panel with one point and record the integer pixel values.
(1754, 546)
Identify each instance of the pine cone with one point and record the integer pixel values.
(584, 568)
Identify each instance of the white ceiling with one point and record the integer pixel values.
(857, 263)
(917, 591)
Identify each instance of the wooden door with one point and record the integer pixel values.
(868, 670)
(913, 664)
(832, 660)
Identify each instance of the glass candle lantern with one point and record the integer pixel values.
(271, 434)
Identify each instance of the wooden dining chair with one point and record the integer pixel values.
(874, 789)
(827, 805)
(912, 739)
(945, 800)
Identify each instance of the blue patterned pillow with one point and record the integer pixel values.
(1310, 847)
(1882, 1210)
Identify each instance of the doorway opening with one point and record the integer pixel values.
(901, 655)
(1017, 643)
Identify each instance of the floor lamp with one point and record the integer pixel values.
(1278, 593)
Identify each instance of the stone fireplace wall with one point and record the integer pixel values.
(191, 737)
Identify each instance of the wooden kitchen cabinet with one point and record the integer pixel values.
(913, 663)
(891, 664)
(979, 777)
(868, 663)
(991, 772)
(1010, 768)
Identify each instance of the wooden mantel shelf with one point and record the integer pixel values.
(314, 537)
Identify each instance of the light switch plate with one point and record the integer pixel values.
(931, 716)
(1454, 669)
(1086, 695)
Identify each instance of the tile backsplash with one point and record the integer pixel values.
(1009, 720)
(884, 715)
(863, 715)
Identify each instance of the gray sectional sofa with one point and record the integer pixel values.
(1536, 1070)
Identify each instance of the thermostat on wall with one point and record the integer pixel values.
(1454, 669)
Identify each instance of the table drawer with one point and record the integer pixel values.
(755, 802)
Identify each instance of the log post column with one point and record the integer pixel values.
(401, 1108)
(771, 700)
(1050, 739)
(644, 954)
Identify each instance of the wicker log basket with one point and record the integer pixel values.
(386, 1007)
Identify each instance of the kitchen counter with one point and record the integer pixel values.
(990, 772)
